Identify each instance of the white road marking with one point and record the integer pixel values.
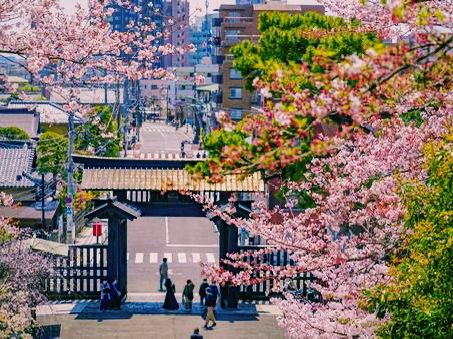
(182, 258)
(169, 257)
(196, 257)
(127, 256)
(153, 258)
(139, 258)
(192, 245)
(210, 257)
(167, 233)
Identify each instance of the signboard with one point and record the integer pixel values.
(97, 229)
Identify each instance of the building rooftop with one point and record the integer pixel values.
(14, 160)
(23, 118)
(49, 112)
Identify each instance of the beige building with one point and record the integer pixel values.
(237, 23)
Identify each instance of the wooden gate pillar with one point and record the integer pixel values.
(117, 215)
(117, 251)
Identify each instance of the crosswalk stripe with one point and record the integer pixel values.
(138, 258)
(169, 257)
(210, 257)
(196, 257)
(153, 258)
(182, 258)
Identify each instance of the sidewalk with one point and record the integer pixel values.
(150, 303)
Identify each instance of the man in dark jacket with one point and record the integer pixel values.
(196, 334)
(202, 291)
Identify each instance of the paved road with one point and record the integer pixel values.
(185, 241)
(152, 326)
(160, 137)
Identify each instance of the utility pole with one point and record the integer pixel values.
(70, 173)
(125, 114)
(43, 213)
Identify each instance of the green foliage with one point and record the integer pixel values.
(214, 142)
(102, 136)
(412, 115)
(288, 39)
(52, 151)
(13, 133)
(29, 88)
(420, 296)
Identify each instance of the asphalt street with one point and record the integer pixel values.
(184, 241)
(158, 137)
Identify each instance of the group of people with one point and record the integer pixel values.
(110, 295)
(209, 294)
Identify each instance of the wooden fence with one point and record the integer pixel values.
(264, 290)
(78, 276)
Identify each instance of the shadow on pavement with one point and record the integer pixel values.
(47, 331)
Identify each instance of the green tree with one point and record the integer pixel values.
(101, 135)
(291, 39)
(419, 297)
(13, 133)
(52, 151)
(285, 41)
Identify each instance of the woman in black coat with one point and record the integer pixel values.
(170, 302)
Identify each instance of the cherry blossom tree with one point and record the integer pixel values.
(21, 274)
(358, 126)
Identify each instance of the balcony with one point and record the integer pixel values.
(216, 22)
(237, 21)
(231, 40)
(217, 79)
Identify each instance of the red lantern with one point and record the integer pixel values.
(97, 229)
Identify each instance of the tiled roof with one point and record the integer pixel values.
(14, 161)
(22, 118)
(49, 112)
(164, 180)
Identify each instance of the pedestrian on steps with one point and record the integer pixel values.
(105, 295)
(163, 272)
(211, 302)
(170, 303)
(187, 295)
(202, 291)
(196, 334)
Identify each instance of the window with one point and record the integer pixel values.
(236, 113)
(235, 74)
(234, 14)
(153, 86)
(145, 86)
(235, 93)
(232, 32)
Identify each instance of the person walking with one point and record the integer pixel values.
(187, 295)
(170, 303)
(163, 272)
(202, 291)
(211, 301)
(115, 295)
(105, 295)
(196, 334)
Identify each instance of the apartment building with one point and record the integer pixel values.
(237, 23)
(165, 95)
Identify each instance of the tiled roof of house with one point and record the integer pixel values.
(49, 111)
(22, 118)
(13, 161)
